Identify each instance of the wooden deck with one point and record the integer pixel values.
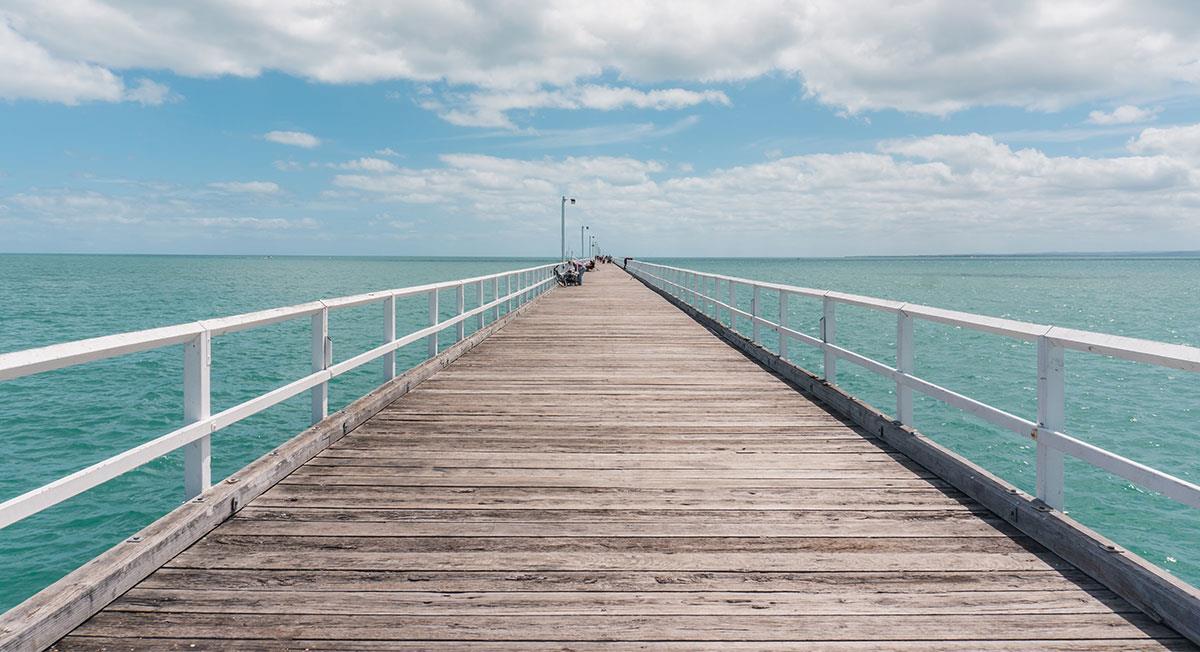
(604, 469)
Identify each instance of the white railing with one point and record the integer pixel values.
(519, 286)
(701, 290)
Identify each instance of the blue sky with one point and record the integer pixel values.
(752, 128)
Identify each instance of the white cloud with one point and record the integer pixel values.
(29, 71)
(293, 138)
(604, 135)
(258, 187)
(1123, 115)
(490, 109)
(1181, 141)
(368, 164)
(253, 223)
(153, 213)
(150, 93)
(925, 195)
(930, 56)
(386, 151)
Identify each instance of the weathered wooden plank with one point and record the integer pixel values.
(83, 643)
(375, 523)
(857, 600)
(593, 460)
(579, 481)
(969, 627)
(606, 477)
(636, 553)
(283, 495)
(830, 584)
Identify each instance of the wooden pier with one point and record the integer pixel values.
(603, 470)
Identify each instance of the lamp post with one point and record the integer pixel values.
(581, 239)
(563, 249)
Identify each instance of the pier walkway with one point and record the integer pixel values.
(605, 469)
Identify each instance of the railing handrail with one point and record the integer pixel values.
(197, 336)
(27, 362)
(1047, 430)
(1163, 354)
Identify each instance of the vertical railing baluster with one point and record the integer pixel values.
(904, 364)
(828, 335)
(434, 318)
(714, 311)
(732, 304)
(479, 295)
(389, 335)
(783, 322)
(322, 354)
(460, 330)
(197, 406)
(754, 309)
(496, 298)
(1051, 408)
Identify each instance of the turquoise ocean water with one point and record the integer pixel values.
(55, 423)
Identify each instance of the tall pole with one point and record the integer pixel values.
(581, 230)
(563, 257)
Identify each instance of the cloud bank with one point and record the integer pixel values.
(928, 56)
(922, 195)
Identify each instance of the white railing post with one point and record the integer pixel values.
(479, 317)
(389, 335)
(1051, 408)
(714, 312)
(322, 356)
(783, 322)
(461, 303)
(197, 406)
(496, 298)
(434, 318)
(732, 304)
(828, 335)
(904, 364)
(508, 283)
(754, 328)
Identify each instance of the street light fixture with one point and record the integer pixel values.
(564, 226)
(581, 239)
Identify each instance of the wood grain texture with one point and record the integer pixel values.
(604, 472)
